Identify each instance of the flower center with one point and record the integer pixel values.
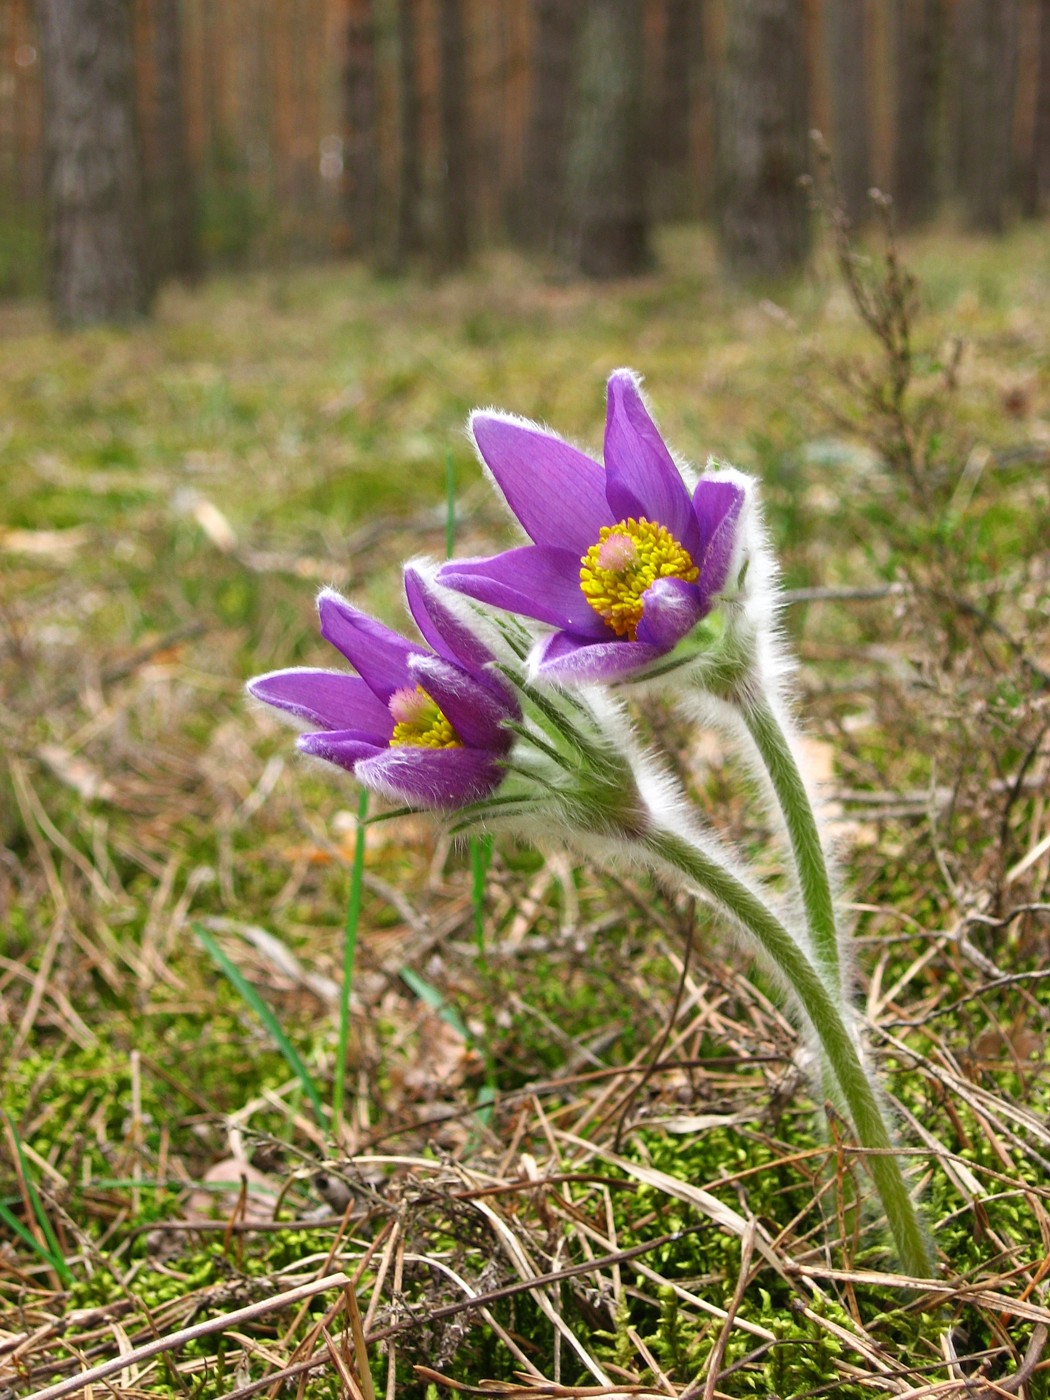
(627, 559)
(418, 721)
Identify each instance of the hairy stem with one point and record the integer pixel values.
(825, 1014)
(811, 864)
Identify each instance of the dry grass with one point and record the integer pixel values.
(647, 1207)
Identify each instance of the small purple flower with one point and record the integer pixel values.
(624, 562)
(424, 727)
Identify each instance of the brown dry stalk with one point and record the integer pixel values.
(714, 1366)
(451, 1309)
(174, 1340)
(548, 1391)
(343, 1367)
(340, 1280)
(931, 1289)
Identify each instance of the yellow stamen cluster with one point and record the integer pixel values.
(627, 559)
(420, 723)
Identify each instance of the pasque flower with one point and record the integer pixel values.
(624, 561)
(426, 727)
(625, 564)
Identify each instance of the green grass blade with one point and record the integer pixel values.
(353, 916)
(266, 1016)
(53, 1252)
(437, 1003)
(450, 505)
(27, 1237)
(480, 856)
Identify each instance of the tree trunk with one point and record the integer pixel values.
(555, 34)
(918, 40)
(410, 191)
(361, 164)
(682, 54)
(455, 143)
(1036, 193)
(762, 132)
(608, 229)
(96, 216)
(847, 54)
(987, 72)
(176, 249)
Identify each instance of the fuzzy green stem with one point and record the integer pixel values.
(824, 1013)
(810, 861)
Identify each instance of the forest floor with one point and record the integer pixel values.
(515, 1192)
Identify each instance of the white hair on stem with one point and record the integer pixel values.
(754, 616)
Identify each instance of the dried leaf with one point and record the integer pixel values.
(77, 773)
(260, 1192)
(58, 545)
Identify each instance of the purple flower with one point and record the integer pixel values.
(424, 727)
(624, 562)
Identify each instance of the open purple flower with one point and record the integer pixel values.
(424, 727)
(624, 562)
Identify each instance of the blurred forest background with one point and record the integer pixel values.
(151, 139)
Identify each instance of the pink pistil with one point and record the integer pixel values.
(616, 553)
(407, 705)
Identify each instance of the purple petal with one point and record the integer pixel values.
(473, 711)
(574, 660)
(556, 491)
(449, 637)
(327, 698)
(717, 506)
(452, 638)
(377, 653)
(536, 580)
(641, 476)
(343, 747)
(443, 778)
(670, 608)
